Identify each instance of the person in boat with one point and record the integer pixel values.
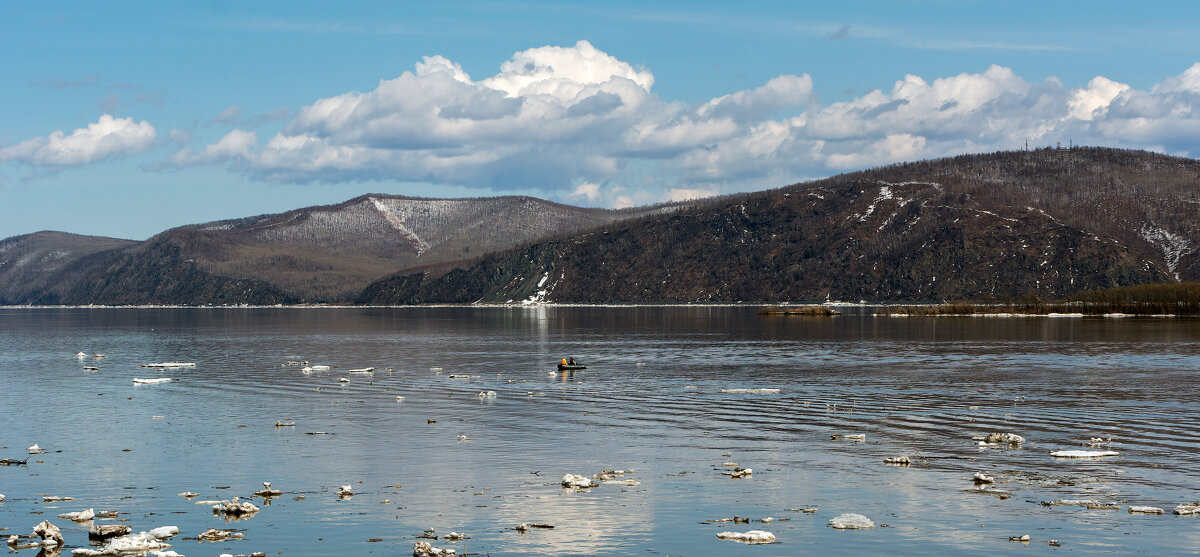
(572, 362)
(563, 362)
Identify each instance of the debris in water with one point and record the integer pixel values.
(851, 521)
(170, 364)
(488, 394)
(984, 489)
(851, 436)
(1083, 454)
(399, 398)
(284, 424)
(80, 516)
(455, 536)
(981, 478)
(140, 381)
(361, 370)
(1145, 510)
(522, 527)
(898, 460)
(343, 379)
(758, 391)
(463, 438)
(344, 491)
(1088, 503)
(753, 536)
(1021, 538)
(320, 368)
(90, 368)
(56, 498)
(35, 449)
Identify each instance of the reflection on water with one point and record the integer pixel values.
(651, 400)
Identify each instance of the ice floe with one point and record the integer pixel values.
(1188, 509)
(1075, 453)
(850, 436)
(981, 478)
(752, 536)
(576, 481)
(133, 544)
(524, 526)
(1134, 509)
(234, 508)
(35, 449)
(80, 516)
(101, 532)
(898, 460)
(423, 549)
(999, 439)
(851, 521)
(756, 391)
(170, 364)
(215, 535)
(141, 381)
(487, 394)
(267, 492)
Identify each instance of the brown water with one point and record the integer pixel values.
(651, 400)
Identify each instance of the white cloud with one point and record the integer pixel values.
(561, 120)
(107, 137)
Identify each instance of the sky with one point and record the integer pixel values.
(125, 119)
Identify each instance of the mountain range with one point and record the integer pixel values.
(1040, 223)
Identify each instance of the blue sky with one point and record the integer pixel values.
(125, 119)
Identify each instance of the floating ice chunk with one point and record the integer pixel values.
(361, 370)
(898, 460)
(90, 368)
(455, 536)
(758, 391)
(981, 478)
(1, 497)
(487, 394)
(233, 508)
(435, 369)
(140, 381)
(575, 481)
(522, 527)
(343, 379)
(1133, 509)
(1089, 503)
(753, 536)
(1021, 538)
(56, 498)
(102, 532)
(81, 355)
(399, 398)
(215, 535)
(851, 521)
(35, 449)
(739, 473)
(344, 491)
(423, 549)
(1000, 439)
(49, 533)
(1188, 509)
(851, 436)
(170, 364)
(307, 369)
(189, 494)
(463, 438)
(767, 520)
(267, 492)
(284, 424)
(1074, 453)
(139, 543)
(984, 489)
(80, 516)
(320, 368)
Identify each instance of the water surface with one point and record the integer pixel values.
(651, 401)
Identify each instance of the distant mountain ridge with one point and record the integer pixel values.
(315, 254)
(1045, 223)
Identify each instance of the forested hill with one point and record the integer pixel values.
(1046, 223)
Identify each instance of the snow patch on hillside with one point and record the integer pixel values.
(1173, 246)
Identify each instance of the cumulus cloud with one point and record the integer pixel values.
(563, 119)
(106, 138)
